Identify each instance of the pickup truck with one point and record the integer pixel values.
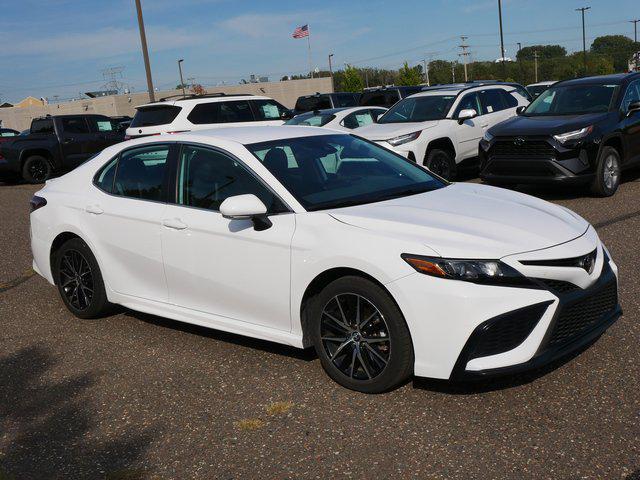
(55, 144)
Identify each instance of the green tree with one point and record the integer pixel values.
(409, 75)
(351, 80)
(544, 51)
(619, 48)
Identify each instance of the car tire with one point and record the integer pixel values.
(442, 163)
(36, 169)
(608, 172)
(77, 275)
(372, 357)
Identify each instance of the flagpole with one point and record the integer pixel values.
(309, 49)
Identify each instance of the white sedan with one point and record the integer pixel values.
(347, 118)
(310, 237)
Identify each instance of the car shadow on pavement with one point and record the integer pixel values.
(474, 387)
(47, 424)
(308, 354)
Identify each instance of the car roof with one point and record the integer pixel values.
(204, 99)
(258, 134)
(546, 82)
(332, 111)
(616, 78)
(457, 89)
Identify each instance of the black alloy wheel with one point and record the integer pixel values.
(76, 279)
(355, 336)
(36, 169)
(441, 163)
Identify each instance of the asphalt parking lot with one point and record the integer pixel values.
(135, 396)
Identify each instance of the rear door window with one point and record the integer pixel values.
(492, 100)
(357, 119)
(141, 173)
(268, 109)
(345, 100)
(98, 124)
(44, 125)
(75, 125)
(155, 115)
(221, 112)
(316, 102)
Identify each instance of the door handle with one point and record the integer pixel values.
(69, 140)
(94, 209)
(174, 223)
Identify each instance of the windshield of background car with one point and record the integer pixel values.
(333, 171)
(154, 115)
(419, 109)
(572, 100)
(318, 120)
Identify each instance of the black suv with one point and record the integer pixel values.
(386, 96)
(584, 130)
(324, 101)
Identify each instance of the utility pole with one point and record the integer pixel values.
(584, 38)
(635, 40)
(145, 52)
(520, 62)
(331, 71)
(426, 71)
(464, 55)
(184, 95)
(535, 63)
(504, 66)
(453, 72)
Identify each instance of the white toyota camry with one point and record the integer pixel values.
(309, 237)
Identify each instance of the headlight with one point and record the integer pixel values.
(487, 137)
(574, 135)
(404, 138)
(488, 272)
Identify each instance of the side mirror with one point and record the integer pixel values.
(520, 109)
(466, 114)
(246, 207)
(633, 108)
(286, 115)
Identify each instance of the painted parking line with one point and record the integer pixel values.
(17, 281)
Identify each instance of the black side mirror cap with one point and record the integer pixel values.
(288, 115)
(520, 109)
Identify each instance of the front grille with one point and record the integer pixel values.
(558, 286)
(582, 316)
(522, 169)
(538, 149)
(505, 332)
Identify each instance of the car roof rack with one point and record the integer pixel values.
(191, 96)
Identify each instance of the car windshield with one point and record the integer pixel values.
(333, 171)
(572, 100)
(419, 109)
(317, 120)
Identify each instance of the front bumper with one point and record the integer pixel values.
(536, 161)
(444, 316)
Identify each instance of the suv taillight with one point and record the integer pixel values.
(37, 202)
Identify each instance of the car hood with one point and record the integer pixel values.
(469, 221)
(385, 131)
(544, 125)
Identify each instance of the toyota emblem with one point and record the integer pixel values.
(518, 141)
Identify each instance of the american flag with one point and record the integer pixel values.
(301, 32)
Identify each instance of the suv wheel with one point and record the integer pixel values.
(360, 336)
(442, 163)
(608, 172)
(79, 281)
(36, 169)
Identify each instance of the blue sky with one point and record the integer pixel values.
(58, 47)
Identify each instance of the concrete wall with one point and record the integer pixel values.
(284, 92)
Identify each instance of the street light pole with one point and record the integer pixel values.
(331, 72)
(635, 40)
(184, 95)
(504, 66)
(145, 52)
(584, 38)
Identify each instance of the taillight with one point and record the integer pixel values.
(37, 202)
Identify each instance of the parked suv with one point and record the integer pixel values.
(386, 96)
(442, 128)
(325, 101)
(584, 130)
(198, 112)
(56, 143)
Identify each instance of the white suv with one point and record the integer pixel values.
(442, 128)
(205, 111)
